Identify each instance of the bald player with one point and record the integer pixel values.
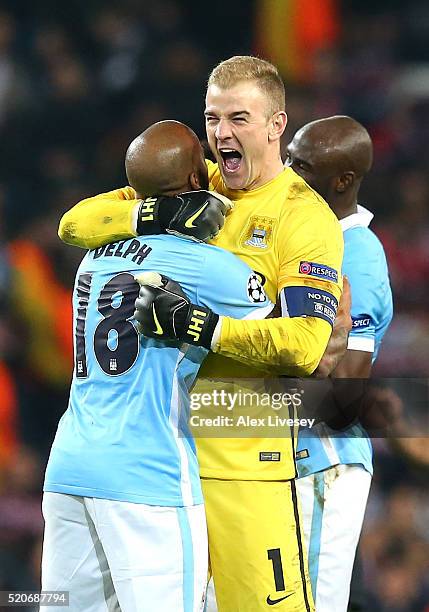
(125, 525)
(166, 159)
(333, 155)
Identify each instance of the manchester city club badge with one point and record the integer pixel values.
(258, 232)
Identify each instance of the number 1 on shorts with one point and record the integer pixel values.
(275, 557)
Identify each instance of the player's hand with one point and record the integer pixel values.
(198, 215)
(337, 344)
(164, 312)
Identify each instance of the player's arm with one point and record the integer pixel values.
(348, 384)
(354, 364)
(289, 345)
(118, 214)
(100, 219)
(337, 345)
(348, 380)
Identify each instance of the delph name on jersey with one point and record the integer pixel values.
(136, 251)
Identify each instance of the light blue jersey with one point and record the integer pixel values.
(124, 435)
(372, 309)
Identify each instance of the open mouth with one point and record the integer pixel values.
(231, 159)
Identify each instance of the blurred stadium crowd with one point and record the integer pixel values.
(77, 82)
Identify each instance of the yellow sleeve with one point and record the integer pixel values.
(292, 347)
(295, 345)
(101, 219)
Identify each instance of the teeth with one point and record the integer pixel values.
(228, 150)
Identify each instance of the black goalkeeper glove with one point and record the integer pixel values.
(164, 312)
(198, 215)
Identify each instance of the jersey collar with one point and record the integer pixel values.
(362, 218)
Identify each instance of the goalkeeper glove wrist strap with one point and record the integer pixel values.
(155, 214)
(199, 326)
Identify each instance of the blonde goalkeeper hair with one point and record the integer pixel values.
(240, 68)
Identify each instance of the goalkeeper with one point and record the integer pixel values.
(290, 237)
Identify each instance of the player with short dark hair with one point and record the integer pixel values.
(125, 526)
(333, 155)
(155, 165)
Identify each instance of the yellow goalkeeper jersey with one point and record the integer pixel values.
(284, 231)
(288, 234)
